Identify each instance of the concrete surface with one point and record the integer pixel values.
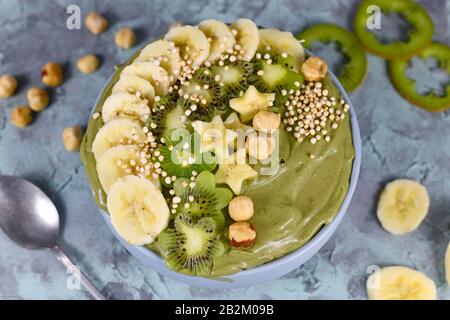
(399, 141)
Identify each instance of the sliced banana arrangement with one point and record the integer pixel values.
(164, 54)
(135, 85)
(155, 74)
(119, 131)
(192, 42)
(220, 37)
(138, 210)
(247, 37)
(400, 283)
(402, 206)
(124, 104)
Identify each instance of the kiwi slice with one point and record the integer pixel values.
(204, 199)
(182, 162)
(275, 77)
(419, 36)
(166, 116)
(406, 86)
(350, 74)
(202, 92)
(233, 78)
(190, 246)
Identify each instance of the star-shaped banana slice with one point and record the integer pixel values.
(235, 172)
(215, 136)
(251, 103)
(243, 131)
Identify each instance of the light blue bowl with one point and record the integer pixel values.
(273, 269)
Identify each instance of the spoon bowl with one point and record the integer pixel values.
(27, 216)
(30, 219)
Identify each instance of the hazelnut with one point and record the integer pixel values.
(266, 121)
(125, 38)
(52, 74)
(88, 64)
(241, 234)
(72, 137)
(37, 99)
(96, 23)
(21, 116)
(241, 208)
(8, 85)
(260, 146)
(314, 69)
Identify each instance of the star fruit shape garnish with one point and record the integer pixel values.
(235, 172)
(251, 103)
(214, 136)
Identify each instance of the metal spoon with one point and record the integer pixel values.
(30, 219)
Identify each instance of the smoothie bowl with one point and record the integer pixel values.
(221, 155)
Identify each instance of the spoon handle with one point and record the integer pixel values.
(87, 284)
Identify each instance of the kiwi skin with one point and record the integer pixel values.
(406, 86)
(351, 74)
(420, 37)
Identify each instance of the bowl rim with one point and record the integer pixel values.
(296, 254)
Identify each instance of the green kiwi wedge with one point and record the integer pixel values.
(204, 199)
(182, 162)
(166, 116)
(190, 246)
(233, 78)
(275, 77)
(406, 86)
(419, 37)
(352, 74)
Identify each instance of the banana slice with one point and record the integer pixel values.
(220, 35)
(247, 36)
(402, 206)
(120, 131)
(162, 53)
(138, 210)
(156, 75)
(282, 42)
(400, 283)
(135, 85)
(447, 264)
(117, 162)
(192, 43)
(125, 104)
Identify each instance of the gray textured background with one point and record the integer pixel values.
(399, 140)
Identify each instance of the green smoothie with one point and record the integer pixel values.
(291, 206)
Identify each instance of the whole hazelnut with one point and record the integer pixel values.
(314, 69)
(241, 234)
(266, 121)
(37, 99)
(125, 38)
(88, 64)
(96, 23)
(21, 116)
(260, 146)
(72, 138)
(8, 85)
(52, 74)
(241, 208)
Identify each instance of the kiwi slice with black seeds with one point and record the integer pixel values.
(190, 246)
(166, 116)
(406, 87)
(272, 77)
(182, 162)
(352, 73)
(419, 37)
(233, 78)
